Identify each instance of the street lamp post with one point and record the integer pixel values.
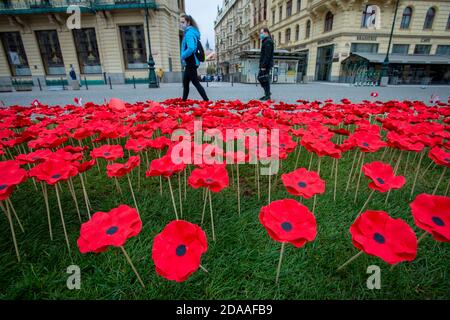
(385, 67)
(152, 82)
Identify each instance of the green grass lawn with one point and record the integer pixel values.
(242, 262)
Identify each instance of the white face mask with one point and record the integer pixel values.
(183, 26)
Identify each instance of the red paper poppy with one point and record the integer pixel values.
(119, 169)
(111, 228)
(214, 178)
(84, 166)
(177, 250)
(382, 175)
(11, 174)
(108, 152)
(289, 221)
(377, 234)
(137, 145)
(34, 157)
(164, 167)
(439, 156)
(432, 214)
(53, 170)
(302, 182)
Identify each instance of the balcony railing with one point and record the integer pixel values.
(48, 6)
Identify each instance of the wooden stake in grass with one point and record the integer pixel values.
(74, 197)
(173, 198)
(62, 220)
(212, 216)
(45, 193)
(132, 193)
(132, 266)
(7, 212)
(315, 196)
(359, 176)
(335, 179)
(238, 190)
(395, 173)
(279, 262)
(179, 195)
(367, 202)
(86, 198)
(439, 181)
(416, 175)
(350, 260)
(205, 198)
(351, 170)
(8, 201)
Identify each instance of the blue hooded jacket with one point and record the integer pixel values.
(189, 44)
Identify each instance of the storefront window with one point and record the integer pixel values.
(400, 48)
(50, 52)
(133, 46)
(15, 53)
(87, 50)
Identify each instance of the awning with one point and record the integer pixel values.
(402, 58)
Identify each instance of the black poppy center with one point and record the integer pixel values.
(438, 221)
(380, 181)
(3, 186)
(365, 144)
(209, 180)
(107, 154)
(56, 176)
(112, 230)
(180, 250)
(379, 238)
(286, 226)
(302, 184)
(139, 147)
(447, 160)
(282, 145)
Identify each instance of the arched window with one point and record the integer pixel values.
(297, 33)
(406, 18)
(308, 29)
(429, 19)
(328, 21)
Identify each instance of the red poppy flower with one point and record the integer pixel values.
(108, 152)
(11, 174)
(432, 214)
(34, 157)
(214, 178)
(84, 166)
(164, 167)
(119, 169)
(53, 170)
(177, 250)
(302, 182)
(111, 228)
(377, 234)
(439, 156)
(289, 221)
(136, 145)
(382, 175)
(159, 143)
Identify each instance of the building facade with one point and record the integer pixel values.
(232, 28)
(327, 33)
(40, 42)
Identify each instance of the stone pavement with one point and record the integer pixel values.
(222, 90)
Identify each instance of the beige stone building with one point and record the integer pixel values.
(341, 40)
(38, 41)
(232, 29)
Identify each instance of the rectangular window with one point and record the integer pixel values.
(273, 16)
(448, 23)
(443, 50)
(289, 9)
(280, 14)
(364, 47)
(400, 48)
(15, 53)
(133, 46)
(87, 50)
(422, 49)
(50, 52)
(299, 5)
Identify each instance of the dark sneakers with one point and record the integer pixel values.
(265, 98)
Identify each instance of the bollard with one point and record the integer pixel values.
(62, 83)
(232, 81)
(207, 83)
(110, 84)
(39, 84)
(104, 77)
(134, 82)
(86, 84)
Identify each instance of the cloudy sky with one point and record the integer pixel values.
(204, 12)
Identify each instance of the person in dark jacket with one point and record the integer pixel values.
(188, 56)
(265, 62)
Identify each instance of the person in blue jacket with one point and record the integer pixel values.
(188, 56)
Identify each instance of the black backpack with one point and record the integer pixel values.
(200, 52)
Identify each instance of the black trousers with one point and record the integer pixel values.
(190, 75)
(264, 80)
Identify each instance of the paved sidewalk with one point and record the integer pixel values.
(222, 90)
